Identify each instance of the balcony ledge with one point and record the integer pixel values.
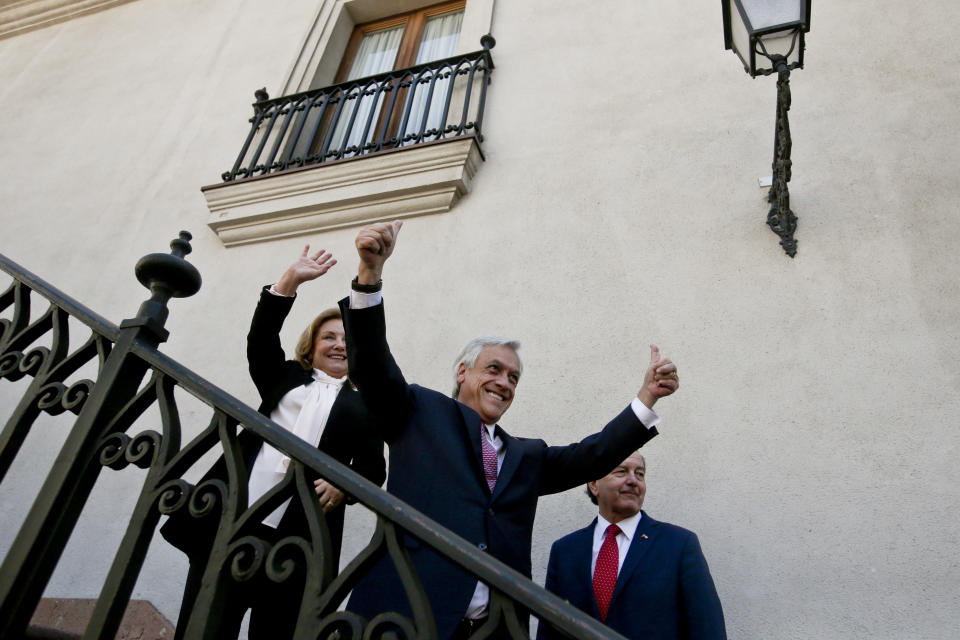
(420, 180)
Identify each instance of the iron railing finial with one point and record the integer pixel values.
(167, 275)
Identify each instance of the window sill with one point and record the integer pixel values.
(425, 179)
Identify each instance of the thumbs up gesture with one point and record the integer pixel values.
(659, 380)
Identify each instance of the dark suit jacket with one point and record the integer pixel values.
(348, 436)
(664, 590)
(435, 466)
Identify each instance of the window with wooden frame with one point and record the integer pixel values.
(402, 40)
(397, 42)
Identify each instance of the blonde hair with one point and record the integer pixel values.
(304, 350)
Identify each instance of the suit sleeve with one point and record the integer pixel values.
(544, 630)
(265, 356)
(594, 456)
(368, 458)
(703, 615)
(384, 390)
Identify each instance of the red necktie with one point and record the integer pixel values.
(605, 573)
(489, 458)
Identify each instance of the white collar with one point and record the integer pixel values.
(628, 526)
(326, 378)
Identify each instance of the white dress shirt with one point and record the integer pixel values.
(628, 527)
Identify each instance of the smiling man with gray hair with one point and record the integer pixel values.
(471, 352)
(451, 460)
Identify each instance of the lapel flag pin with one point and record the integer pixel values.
(644, 536)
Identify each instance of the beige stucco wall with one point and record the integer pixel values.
(812, 445)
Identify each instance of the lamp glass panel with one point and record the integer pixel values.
(739, 35)
(767, 13)
(779, 44)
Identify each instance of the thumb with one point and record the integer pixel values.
(396, 227)
(654, 354)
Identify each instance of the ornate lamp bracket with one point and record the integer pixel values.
(780, 218)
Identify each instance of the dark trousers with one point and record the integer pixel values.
(273, 607)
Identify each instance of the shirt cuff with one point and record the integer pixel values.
(274, 291)
(644, 414)
(361, 300)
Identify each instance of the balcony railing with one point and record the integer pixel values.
(133, 382)
(434, 101)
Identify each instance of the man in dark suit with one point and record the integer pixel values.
(450, 459)
(645, 579)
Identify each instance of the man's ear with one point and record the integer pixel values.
(461, 372)
(593, 488)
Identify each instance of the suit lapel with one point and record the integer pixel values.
(341, 405)
(583, 558)
(471, 431)
(643, 540)
(511, 460)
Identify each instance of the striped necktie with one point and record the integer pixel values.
(489, 458)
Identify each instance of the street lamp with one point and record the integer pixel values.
(768, 37)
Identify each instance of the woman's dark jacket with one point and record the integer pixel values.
(348, 435)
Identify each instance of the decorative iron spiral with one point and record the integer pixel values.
(285, 557)
(390, 626)
(142, 450)
(30, 363)
(10, 365)
(206, 496)
(245, 557)
(174, 495)
(120, 450)
(342, 624)
(111, 451)
(56, 397)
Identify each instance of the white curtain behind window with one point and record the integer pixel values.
(440, 37)
(376, 54)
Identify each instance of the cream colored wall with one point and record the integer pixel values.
(812, 445)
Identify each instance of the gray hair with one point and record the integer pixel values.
(472, 351)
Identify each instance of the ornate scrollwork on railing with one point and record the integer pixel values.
(49, 367)
(120, 450)
(242, 554)
(56, 397)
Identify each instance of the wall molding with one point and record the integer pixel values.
(421, 180)
(28, 15)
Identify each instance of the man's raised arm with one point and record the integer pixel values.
(374, 245)
(372, 367)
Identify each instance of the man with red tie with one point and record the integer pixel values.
(451, 459)
(643, 578)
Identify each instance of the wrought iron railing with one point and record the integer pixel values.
(132, 377)
(428, 102)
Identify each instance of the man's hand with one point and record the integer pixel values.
(374, 245)
(659, 380)
(330, 497)
(304, 269)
